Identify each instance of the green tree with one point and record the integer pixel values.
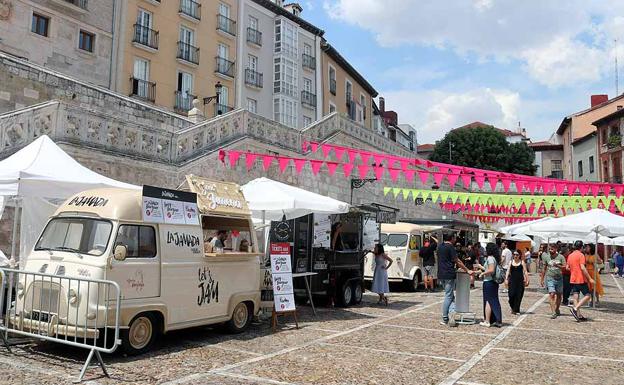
(486, 148)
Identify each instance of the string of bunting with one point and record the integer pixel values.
(493, 218)
(507, 203)
(452, 173)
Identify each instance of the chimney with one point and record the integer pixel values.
(294, 8)
(382, 104)
(598, 99)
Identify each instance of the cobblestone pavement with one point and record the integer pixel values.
(368, 344)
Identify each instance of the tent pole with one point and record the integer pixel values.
(16, 211)
(595, 273)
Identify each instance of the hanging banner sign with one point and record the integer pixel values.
(169, 206)
(322, 230)
(281, 272)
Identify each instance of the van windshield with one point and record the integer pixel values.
(397, 240)
(80, 235)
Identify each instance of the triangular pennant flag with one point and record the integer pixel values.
(283, 163)
(394, 173)
(480, 180)
(559, 187)
(352, 155)
(547, 187)
(519, 185)
(437, 177)
(386, 190)
(463, 198)
(379, 159)
(379, 170)
(571, 187)
(346, 169)
(363, 170)
(452, 179)
(466, 180)
(406, 193)
(313, 146)
(444, 196)
(409, 175)
(233, 155)
(423, 175)
(434, 196)
(443, 169)
(396, 191)
(583, 188)
(304, 146)
(316, 166)
(618, 190)
(606, 189)
(493, 181)
(331, 167)
(364, 156)
(531, 185)
(595, 188)
(299, 163)
(506, 182)
(249, 160)
(266, 161)
(326, 149)
(339, 151)
(404, 164)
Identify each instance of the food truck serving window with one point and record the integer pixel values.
(397, 240)
(81, 235)
(140, 240)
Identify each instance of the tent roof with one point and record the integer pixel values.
(591, 221)
(277, 199)
(43, 169)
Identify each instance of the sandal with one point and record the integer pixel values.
(386, 301)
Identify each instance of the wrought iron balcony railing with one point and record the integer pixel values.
(145, 36)
(253, 78)
(254, 36)
(224, 66)
(308, 61)
(188, 52)
(226, 24)
(190, 8)
(308, 98)
(143, 89)
(183, 101)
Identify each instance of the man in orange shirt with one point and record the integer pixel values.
(579, 277)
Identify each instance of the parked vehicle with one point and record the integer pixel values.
(167, 280)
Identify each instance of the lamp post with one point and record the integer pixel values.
(451, 145)
(207, 100)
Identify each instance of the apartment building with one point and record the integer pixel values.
(278, 76)
(74, 37)
(548, 158)
(609, 146)
(171, 52)
(584, 158)
(344, 89)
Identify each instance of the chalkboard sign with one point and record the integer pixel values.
(386, 217)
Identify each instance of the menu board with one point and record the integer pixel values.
(169, 206)
(281, 272)
(322, 230)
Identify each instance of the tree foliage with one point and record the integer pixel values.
(486, 148)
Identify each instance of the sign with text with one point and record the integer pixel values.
(386, 217)
(169, 206)
(322, 230)
(281, 272)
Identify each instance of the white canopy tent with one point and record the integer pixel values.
(522, 228)
(36, 178)
(272, 200)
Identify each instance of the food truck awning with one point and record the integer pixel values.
(272, 200)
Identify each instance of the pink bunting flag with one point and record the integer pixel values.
(313, 146)
(316, 166)
(571, 187)
(559, 187)
(339, 151)
(583, 188)
(379, 170)
(304, 146)
(423, 175)
(547, 187)
(363, 170)
(466, 180)
(519, 185)
(347, 168)
(409, 175)
(364, 156)
(266, 161)
(326, 149)
(606, 189)
(283, 163)
(299, 163)
(331, 167)
(618, 189)
(233, 156)
(394, 173)
(379, 159)
(595, 189)
(437, 177)
(531, 185)
(452, 179)
(493, 181)
(506, 182)
(352, 155)
(249, 160)
(442, 169)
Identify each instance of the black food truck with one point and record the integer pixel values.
(332, 246)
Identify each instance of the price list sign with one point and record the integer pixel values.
(281, 271)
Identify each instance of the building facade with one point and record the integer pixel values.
(548, 159)
(172, 52)
(278, 76)
(609, 146)
(585, 158)
(74, 37)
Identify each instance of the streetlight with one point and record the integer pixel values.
(218, 86)
(451, 145)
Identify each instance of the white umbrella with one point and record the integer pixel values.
(617, 241)
(269, 199)
(521, 228)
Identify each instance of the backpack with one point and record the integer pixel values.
(499, 274)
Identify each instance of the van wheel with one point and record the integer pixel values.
(241, 318)
(346, 295)
(413, 284)
(140, 335)
(358, 293)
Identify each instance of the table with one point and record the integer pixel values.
(306, 279)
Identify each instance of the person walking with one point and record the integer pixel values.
(565, 274)
(516, 279)
(492, 314)
(554, 263)
(447, 274)
(427, 253)
(506, 257)
(380, 275)
(590, 264)
(619, 263)
(579, 280)
(527, 258)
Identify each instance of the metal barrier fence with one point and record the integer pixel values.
(80, 312)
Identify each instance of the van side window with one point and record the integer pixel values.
(140, 240)
(397, 240)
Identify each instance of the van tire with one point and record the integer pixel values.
(140, 335)
(412, 285)
(241, 318)
(357, 293)
(345, 295)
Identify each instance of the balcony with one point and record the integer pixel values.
(143, 89)
(226, 25)
(254, 36)
(188, 53)
(78, 3)
(308, 99)
(221, 109)
(183, 101)
(614, 141)
(253, 78)
(145, 36)
(332, 86)
(308, 62)
(224, 66)
(190, 9)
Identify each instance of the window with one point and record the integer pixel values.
(253, 23)
(86, 41)
(140, 240)
(591, 164)
(332, 80)
(556, 165)
(252, 105)
(224, 10)
(285, 111)
(580, 168)
(187, 36)
(397, 240)
(40, 24)
(144, 18)
(223, 51)
(80, 235)
(286, 38)
(140, 84)
(252, 62)
(348, 90)
(332, 107)
(224, 95)
(307, 85)
(285, 76)
(185, 83)
(307, 121)
(307, 49)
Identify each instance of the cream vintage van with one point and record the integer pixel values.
(402, 242)
(151, 243)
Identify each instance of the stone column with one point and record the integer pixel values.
(195, 114)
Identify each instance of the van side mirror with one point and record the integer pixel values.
(120, 252)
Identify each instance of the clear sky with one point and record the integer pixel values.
(444, 63)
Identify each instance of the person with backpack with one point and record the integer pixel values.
(493, 275)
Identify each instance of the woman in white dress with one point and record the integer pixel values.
(380, 276)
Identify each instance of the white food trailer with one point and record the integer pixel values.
(402, 242)
(151, 244)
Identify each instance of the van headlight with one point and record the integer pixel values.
(72, 296)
